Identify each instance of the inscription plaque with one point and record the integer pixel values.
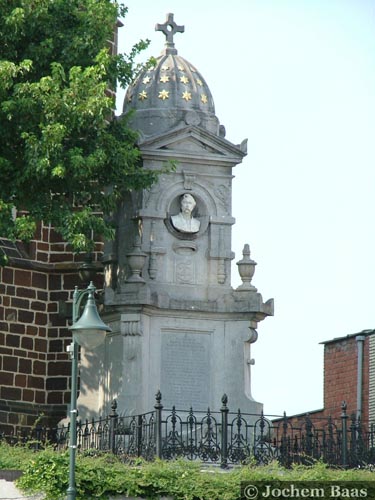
(185, 370)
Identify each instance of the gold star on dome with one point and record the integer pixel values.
(146, 80)
(199, 82)
(163, 94)
(186, 96)
(165, 68)
(204, 98)
(184, 79)
(181, 68)
(164, 79)
(142, 95)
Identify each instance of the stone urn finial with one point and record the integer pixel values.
(246, 269)
(136, 260)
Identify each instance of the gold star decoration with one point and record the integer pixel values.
(204, 98)
(199, 82)
(146, 80)
(186, 96)
(163, 94)
(142, 95)
(165, 68)
(184, 80)
(164, 79)
(181, 68)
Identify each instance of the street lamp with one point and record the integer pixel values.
(88, 331)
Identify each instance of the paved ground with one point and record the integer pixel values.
(9, 491)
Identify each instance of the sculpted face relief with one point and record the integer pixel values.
(184, 221)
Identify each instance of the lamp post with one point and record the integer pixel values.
(88, 331)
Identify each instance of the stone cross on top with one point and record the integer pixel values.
(169, 28)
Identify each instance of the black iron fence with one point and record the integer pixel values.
(222, 437)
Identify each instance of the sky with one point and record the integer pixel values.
(297, 79)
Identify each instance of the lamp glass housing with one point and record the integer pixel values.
(90, 331)
(89, 339)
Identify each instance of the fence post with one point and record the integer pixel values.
(158, 416)
(344, 418)
(284, 442)
(224, 432)
(361, 443)
(39, 436)
(139, 434)
(113, 419)
(309, 435)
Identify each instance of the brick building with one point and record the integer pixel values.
(35, 291)
(349, 376)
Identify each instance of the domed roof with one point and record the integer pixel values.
(171, 93)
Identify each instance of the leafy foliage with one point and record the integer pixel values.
(104, 476)
(14, 457)
(64, 158)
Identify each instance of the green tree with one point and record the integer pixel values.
(64, 157)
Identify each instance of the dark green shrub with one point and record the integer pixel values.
(105, 475)
(14, 457)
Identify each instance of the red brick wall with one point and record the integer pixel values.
(340, 376)
(34, 365)
(340, 383)
(366, 382)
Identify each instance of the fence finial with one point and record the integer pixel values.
(114, 406)
(158, 396)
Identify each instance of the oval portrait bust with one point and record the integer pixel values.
(184, 222)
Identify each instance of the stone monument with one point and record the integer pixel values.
(177, 323)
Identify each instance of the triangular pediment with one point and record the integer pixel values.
(193, 141)
(191, 144)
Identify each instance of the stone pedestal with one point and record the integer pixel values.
(192, 357)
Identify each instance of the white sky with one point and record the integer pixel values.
(297, 78)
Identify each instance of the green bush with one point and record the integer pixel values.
(14, 457)
(105, 475)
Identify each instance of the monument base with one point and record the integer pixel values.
(192, 358)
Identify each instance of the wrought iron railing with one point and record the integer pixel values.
(221, 437)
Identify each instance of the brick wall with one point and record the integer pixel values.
(297, 423)
(340, 375)
(340, 381)
(371, 375)
(35, 288)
